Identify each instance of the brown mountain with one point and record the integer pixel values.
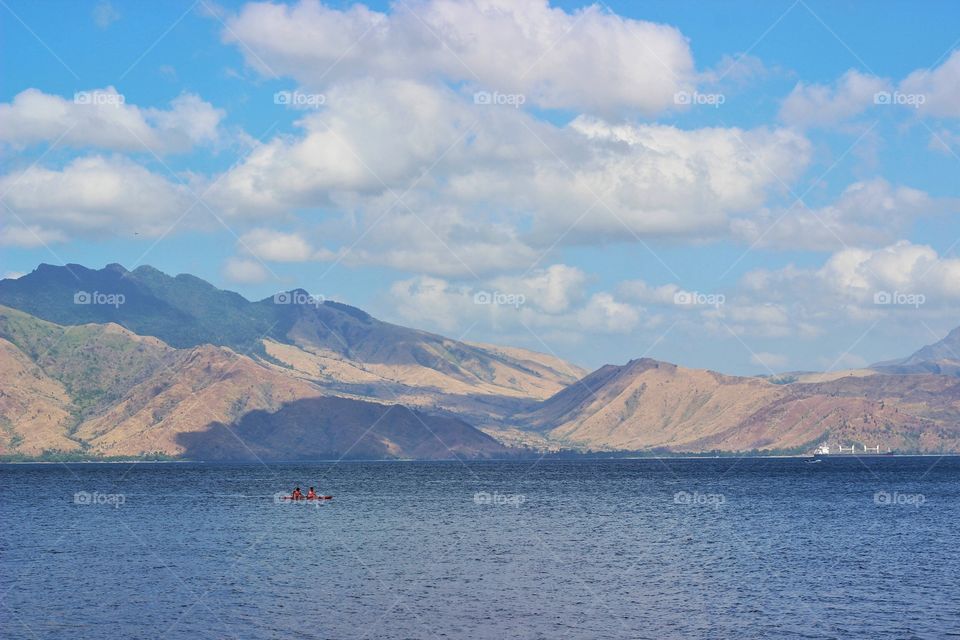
(186, 369)
(101, 390)
(647, 404)
(341, 348)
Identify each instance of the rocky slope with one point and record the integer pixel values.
(101, 390)
(221, 377)
(647, 404)
(339, 347)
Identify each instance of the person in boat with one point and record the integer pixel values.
(296, 495)
(311, 494)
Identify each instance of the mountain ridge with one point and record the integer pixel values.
(415, 367)
(275, 368)
(102, 391)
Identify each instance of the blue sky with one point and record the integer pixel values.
(749, 236)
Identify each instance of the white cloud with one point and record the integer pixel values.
(432, 301)
(867, 213)
(545, 301)
(940, 88)
(472, 178)
(355, 146)
(739, 69)
(590, 59)
(661, 180)
(441, 241)
(244, 271)
(640, 291)
(901, 284)
(554, 289)
(906, 280)
(931, 92)
(102, 118)
(606, 314)
(13, 275)
(276, 246)
(817, 105)
(92, 195)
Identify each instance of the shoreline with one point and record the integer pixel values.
(574, 458)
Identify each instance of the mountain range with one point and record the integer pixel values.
(118, 363)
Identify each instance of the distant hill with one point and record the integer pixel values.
(181, 368)
(941, 357)
(647, 404)
(337, 346)
(101, 390)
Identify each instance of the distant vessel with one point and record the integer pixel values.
(824, 450)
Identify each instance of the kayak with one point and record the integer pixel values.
(306, 498)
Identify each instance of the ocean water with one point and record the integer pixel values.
(700, 548)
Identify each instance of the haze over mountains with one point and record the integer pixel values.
(113, 362)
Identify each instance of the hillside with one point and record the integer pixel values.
(101, 390)
(182, 368)
(647, 404)
(339, 347)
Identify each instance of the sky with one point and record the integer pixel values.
(750, 187)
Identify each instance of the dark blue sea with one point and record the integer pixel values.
(653, 548)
